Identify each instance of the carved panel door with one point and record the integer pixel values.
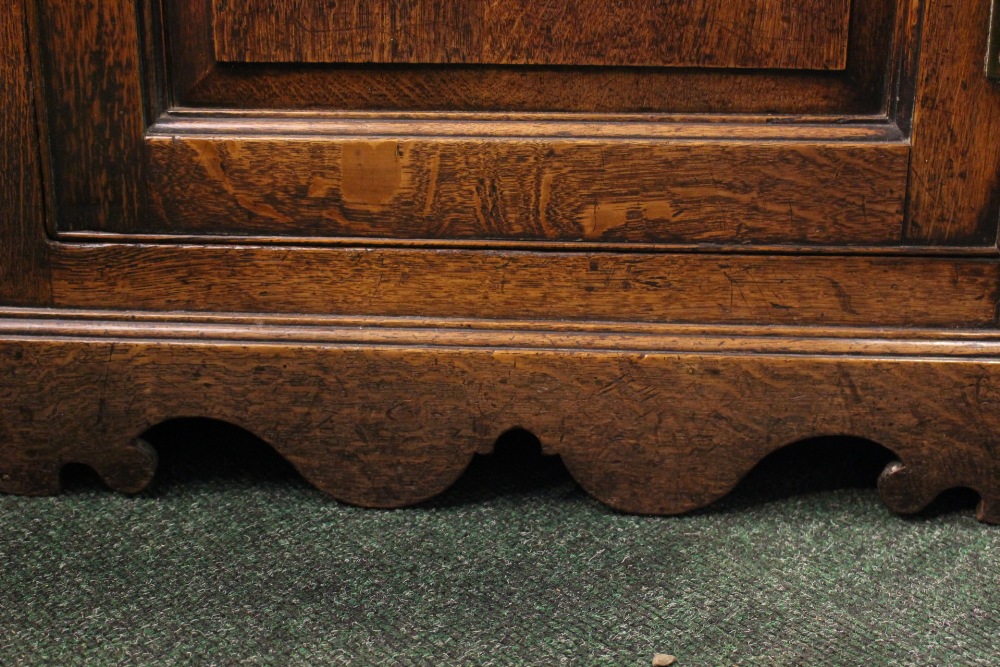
(579, 123)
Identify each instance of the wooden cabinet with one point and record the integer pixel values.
(667, 237)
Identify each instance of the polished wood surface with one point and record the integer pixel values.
(198, 78)
(379, 267)
(955, 189)
(95, 117)
(735, 184)
(24, 271)
(696, 33)
(643, 287)
(385, 417)
(698, 190)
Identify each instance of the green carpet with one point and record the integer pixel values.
(232, 559)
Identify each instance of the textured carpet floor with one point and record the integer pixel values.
(231, 559)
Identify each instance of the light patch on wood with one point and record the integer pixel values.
(658, 210)
(605, 216)
(371, 173)
(544, 198)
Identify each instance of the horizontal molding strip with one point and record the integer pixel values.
(416, 332)
(577, 126)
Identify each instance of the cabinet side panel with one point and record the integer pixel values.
(955, 171)
(95, 109)
(23, 268)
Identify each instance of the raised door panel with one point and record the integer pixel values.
(808, 34)
(625, 56)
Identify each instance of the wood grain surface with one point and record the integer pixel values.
(647, 287)
(95, 110)
(659, 431)
(870, 71)
(809, 34)
(753, 288)
(766, 191)
(722, 190)
(955, 173)
(23, 270)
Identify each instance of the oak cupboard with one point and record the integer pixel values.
(666, 237)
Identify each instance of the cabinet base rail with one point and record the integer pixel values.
(650, 419)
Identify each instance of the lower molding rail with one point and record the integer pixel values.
(653, 419)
